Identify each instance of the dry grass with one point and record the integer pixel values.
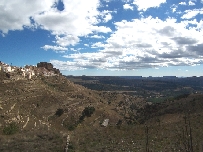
(39, 100)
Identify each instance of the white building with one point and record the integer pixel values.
(6, 68)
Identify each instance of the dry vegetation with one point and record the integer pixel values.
(38, 114)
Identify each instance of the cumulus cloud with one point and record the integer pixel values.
(188, 14)
(97, 36)
(174, 7)
(69, 21)
(185, 40)
(77, 19)
(66, 40)
(153, 43)
(182, 3)
(55, 48)
(105, 16)
(191, 3)
(127, 6)
(145, 4)
(15, 15)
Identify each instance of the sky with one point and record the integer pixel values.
(105, 37)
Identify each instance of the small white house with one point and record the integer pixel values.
(23, 74)
(22, 69)
(32, 73)
(6, 68)
(29, 75)
(9, 69)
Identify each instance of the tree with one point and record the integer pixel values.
(88, 111)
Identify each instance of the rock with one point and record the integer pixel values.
(48, 66)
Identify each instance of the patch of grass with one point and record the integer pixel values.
(12, 128)
(71, 127)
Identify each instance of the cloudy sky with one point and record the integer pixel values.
(105, 37)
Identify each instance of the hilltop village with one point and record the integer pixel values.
(29, 71)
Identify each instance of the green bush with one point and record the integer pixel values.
(12, 128)
(88, 111)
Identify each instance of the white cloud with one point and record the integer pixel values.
(66, 40)
(55, 48)
(97, 36)
(65, 65)
(191, 3)
(192, 13)
(153, 43)
(127, 1)
(174, 7)
(182, 3)
(106, 16)
(69, 21)
(145, 4)
(16, 14)
(78, 18)
(101, 29)
(127, 6)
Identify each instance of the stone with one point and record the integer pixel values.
(48, 66)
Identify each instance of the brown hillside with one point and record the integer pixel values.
(38, 114)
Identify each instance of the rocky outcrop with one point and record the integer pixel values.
(48, 66)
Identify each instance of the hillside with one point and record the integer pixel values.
(38, 114)
(49, 105)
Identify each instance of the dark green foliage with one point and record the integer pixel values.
(70, 147)
(71, 123)
(88, 111)
(59, 112)
(82, 117)
(71, 127)
(12, 128)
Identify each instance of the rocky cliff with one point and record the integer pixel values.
(48, 66)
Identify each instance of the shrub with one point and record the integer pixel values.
(88, 111)
(12, 128)
(71, 127)
(59, 112)
(81, 118)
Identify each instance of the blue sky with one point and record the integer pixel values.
(105, 37)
